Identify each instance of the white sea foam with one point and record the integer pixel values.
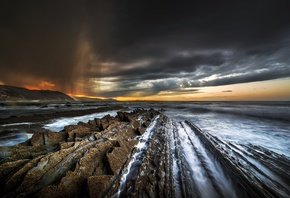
(134, 164)
(16, 124)
(198, 174)
(213, 169)
(60, 123)
(14, 138)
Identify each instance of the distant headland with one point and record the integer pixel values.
(11, 93)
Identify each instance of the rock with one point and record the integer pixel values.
(141, 130)
(77, 162)
(117, 158)
(84, 124)
(92, 123)
(105, 122)
(48, 138)
(77, 131)
(122, 116)
(37, 139)
(98, 184)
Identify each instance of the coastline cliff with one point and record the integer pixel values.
(11, 93)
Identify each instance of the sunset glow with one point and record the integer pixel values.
(268, 90)
(172, 53)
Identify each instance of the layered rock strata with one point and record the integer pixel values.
(83, 160)
(140, 154)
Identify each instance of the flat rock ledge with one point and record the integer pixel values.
(84, 160)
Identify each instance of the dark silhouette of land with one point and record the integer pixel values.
(11, 93)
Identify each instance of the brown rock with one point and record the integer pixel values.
(48, 138)
(70, 128)
(98, 184)
(37, 139)
(117, 159)
(78, 131)
(105, 121)
(92, 123)
(77, 162)
(141, 130)
(135, 123)
(122, 116)
(84, 124)
(98, 122)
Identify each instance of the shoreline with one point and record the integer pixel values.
(48, 116)
(140, 153)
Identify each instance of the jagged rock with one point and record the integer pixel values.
(154, 175)
(77, 161)
(141, 130)
(122, 116)
(77, 131)
(105, 121)
(84, 124)
(80, 162)
(92, 123)
(48, 138)
(117, 159)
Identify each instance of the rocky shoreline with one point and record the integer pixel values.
(30, 124)
(139, 154)
(83, 160)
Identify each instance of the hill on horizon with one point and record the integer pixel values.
(12, 93)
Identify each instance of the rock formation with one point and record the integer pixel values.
(139, 154)
(83, 160)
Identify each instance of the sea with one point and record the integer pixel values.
(265, 124)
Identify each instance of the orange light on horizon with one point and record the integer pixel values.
(43, 85)
(84, 96)
(271, 90)
(31, 87)
(264, 90)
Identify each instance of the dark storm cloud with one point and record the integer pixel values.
(144, 47)
(39, 40)
(189, 63)
(199, 24)
(251, 77)
(163, 66)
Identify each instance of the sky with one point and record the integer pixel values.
(148, 50)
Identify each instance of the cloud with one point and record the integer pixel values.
(251, 74)
(42, 41)
(156, 67)
(227, 91)
(143, 48)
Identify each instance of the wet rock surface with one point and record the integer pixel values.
(83, 160)
(139, 154)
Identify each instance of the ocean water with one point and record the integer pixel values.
(8, 109)
(252, 136)
(264, 124)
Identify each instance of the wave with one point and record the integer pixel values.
(276, 111)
